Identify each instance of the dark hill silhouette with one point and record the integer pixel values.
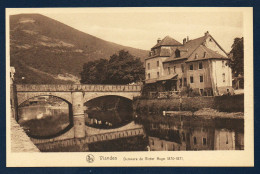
(40, 45)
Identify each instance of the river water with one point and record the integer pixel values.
(193, 133)
(162, 133)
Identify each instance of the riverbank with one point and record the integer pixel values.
(20, 142)
(205, 113)
(229, 104)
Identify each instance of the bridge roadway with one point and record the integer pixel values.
(76, 95)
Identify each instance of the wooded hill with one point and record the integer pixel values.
(43, 50)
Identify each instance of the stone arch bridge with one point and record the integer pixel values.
(67, 92)
(77, 95)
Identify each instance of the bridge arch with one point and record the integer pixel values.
(90, 96)
(23, 97)
(56, 134)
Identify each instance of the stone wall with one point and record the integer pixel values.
(233, 103)
(20, 142)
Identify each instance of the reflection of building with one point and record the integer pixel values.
(202, 139)
(157, 144)
(239, 140)
(199, 65)
(193, 136)
(224, 140)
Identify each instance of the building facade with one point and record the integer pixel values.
(199, 66)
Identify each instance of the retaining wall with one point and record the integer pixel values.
(233, 103)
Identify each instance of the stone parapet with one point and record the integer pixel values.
(84, 88)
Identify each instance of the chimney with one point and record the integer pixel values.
(207, 33)
(184, 41)
(187, 38)
(159, 40)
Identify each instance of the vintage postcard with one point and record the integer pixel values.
(129, 86)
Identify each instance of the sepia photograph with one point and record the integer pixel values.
(129, 86)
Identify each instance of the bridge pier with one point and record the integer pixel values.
(78, 114)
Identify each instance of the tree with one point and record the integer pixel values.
(121, 68)
(94, 72)
(237, 53)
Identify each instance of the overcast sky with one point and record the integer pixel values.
(140, 27)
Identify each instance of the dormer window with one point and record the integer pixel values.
(196, 56)
(205, 54)
(177, 53)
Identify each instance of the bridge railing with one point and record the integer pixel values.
(79, 87)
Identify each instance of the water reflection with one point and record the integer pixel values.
(190, 133)
(108, 112)
(44, 116)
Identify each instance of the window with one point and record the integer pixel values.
(182, 68)
(201, 91)
(185, 81)
(194, 140)
(204, 141)
(191, 79)
(223, 63)
(158, 74)
(169, 70)
(200, 65)
(227, 139)
(183, 136)
(196, 56)
(162, 144)
(191, 66)
(224, 77)
(149, 76)
(180, 82)
(157, 63)
(201, 78)
(177, 53)
(148, 65)
(174, 69)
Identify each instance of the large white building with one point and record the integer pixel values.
(200, 65)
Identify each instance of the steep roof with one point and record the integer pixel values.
(193, 47)
(167, 41)
(201, 50)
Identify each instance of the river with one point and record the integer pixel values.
(162, 133)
